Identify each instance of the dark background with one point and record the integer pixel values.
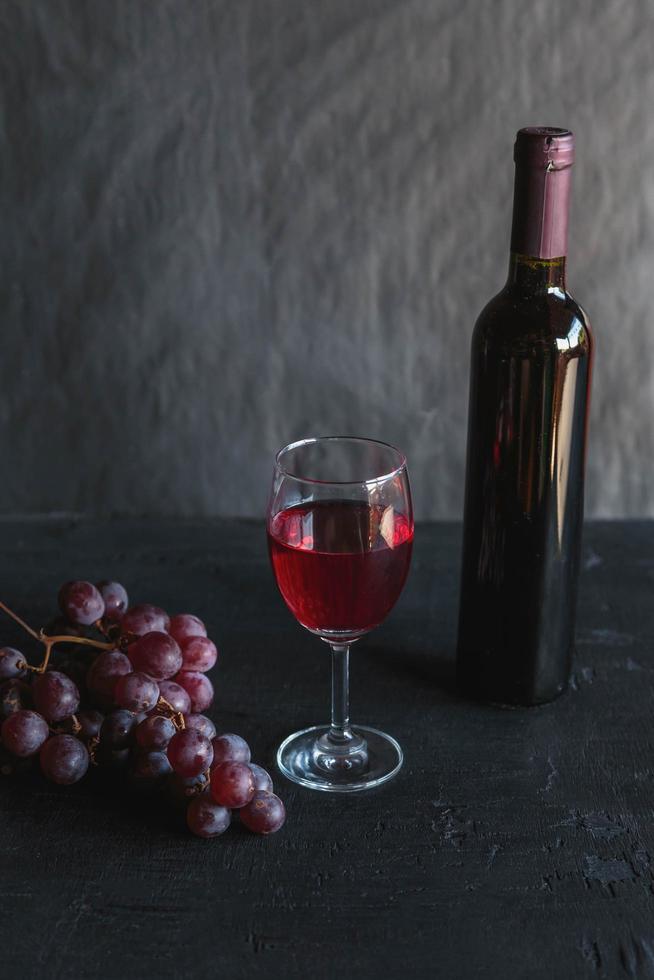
(226, 225)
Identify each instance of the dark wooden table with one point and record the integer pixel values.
(512, 844)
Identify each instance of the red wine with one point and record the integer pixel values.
(340, 565)
(529, 390)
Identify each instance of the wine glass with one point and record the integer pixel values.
(340, 534)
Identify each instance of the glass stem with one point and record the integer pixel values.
(340, 730)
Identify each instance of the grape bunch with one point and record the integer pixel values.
(126, 691)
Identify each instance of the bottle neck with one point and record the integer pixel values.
(539, 235)
(533, 275)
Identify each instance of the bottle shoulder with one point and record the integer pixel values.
(549, 318)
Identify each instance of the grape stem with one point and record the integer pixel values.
(50, 641)
(200, 787)
(107, 631)
(64, 731)
(92, 746)
(20, 621)
(176, 717)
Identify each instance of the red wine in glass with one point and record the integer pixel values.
(340, 565)
(340, 534)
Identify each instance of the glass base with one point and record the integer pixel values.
(365, 760)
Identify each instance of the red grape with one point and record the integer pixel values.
(55, 696)
(189, 753)
(264, 814)
(199, 688)
(201, 724)
(262, 779)
(115, 600)
(10, 661)
(198, 653)
(64, 759)
(76, 667)
(184, 625)
(81, 603)
(206, 818)
(103, 674)
(24, 732)
(116, 759)
(181, 789)
(156, 654)
(150, 767)
(155, 733)
(230, 748)
(175, 695)
(15, 695)
(60, 626)
(117, 730)
(136, 692)
(232, 784)
(90, 722)
(143, 619)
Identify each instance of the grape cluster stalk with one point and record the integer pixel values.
(127, 689)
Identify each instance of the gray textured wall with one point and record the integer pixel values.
(230, 224)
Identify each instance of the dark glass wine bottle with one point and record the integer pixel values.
(528, 414)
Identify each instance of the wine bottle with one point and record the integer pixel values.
(528, 418)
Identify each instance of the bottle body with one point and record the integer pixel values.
(530, 380)
(531, 362)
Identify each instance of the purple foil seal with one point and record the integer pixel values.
(543, 170)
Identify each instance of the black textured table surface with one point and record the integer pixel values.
(512, 844)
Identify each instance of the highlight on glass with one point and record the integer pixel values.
(340, 534)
